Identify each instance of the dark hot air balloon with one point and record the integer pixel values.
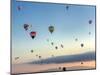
(67, 7)
(52, 43)
(82, 45)
(26, 26)
(51, 29)
(39, 57)
(16, 58)
(81, 62)
(90, 21)
(19, 8)
(56, 47)
(62, 46)
(32, 51)
(64, 68)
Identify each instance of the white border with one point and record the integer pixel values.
(90, 2)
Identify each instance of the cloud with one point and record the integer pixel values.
(67, 58)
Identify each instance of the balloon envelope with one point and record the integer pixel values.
(26, 26)
(90, 21)
(16, 58)
(47, 40)
(81, 62)
(67, 7)
(62, 46)
(59, 67)
(64, 68)
(19, 8)
(36, 55)
(76, 39)
(39, 57)
(32, 51)
(89, 33)
(52, 55)
(82, 45)
(51, 29)
(56, 47)
(52, 43)
(33, 34)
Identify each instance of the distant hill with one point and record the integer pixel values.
(67, 58)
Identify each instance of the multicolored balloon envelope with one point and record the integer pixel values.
(52, 37)
(33, 34)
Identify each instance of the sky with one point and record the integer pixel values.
(69, 24)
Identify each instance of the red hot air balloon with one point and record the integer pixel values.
(33, 34)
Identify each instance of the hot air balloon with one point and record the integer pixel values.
(39, 57)
(33, 34)
(16, 58)
(81, 62)
(52, 43)
(51, 29)
(26, 26)
(82, 45)
(32, 51)
(67, 7)
(56, 47)
(59, 67)
(76, 39)
(52, 55)
(19, 8)
(64, 68)
(47, 40)
(36, 55)
(90, 21)
(89, 33)
(62, 46)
